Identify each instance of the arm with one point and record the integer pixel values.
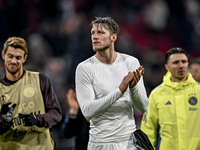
(4, 125)
(6, 115)
(69, 127)
(89, 105)
(150, 122)
(53, 113)
(139, 96)
(138, 91)
(71, 124)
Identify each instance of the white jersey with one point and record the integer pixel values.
(109, 110)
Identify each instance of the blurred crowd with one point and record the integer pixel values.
(58, 34)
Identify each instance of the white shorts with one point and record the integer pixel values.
(124, 145)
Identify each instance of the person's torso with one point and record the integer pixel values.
(117, 122)
(26, 93)
(178, 113)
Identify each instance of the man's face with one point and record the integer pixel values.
(13, 59)
(178, 66)
(195, 71)
(101, 38)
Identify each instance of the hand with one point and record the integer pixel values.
(136, 76)
(29, 119)
(7, 112)
(72, 102)
(125, 82)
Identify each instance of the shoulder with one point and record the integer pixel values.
(43, 77)
(131, 62)
(197, 85)
(86, 64)
(158, 89)
(31, 73)
(127, 57)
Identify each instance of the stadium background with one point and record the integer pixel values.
(58, 36)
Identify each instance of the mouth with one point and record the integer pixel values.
(181, 72)
(12, 66)
(95, 43)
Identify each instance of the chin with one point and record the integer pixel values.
(13, 71)
(94, 49)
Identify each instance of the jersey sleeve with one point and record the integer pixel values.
(139, 96)
(89, 105)
(138, 92)
(53, 113)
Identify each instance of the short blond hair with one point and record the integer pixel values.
(16, 42)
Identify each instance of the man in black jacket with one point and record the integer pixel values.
(75, 124)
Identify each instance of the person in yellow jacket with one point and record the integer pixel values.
(172, 121)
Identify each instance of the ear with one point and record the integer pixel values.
(3, 55)
(114, 37)
(166, 67)
(25, 57)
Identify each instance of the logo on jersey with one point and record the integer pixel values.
(193, 100)
(29, 92)
(2, 98)
(168, 103)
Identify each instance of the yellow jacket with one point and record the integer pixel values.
(172, 121)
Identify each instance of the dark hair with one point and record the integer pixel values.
(175, 50)
(110, 24)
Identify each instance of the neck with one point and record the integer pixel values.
(14, 77)
(178, 80)
(106, 56)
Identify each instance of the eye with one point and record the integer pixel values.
(18, 57)
(184, 61)
(100, 32)
(175, 62)
(10, 56)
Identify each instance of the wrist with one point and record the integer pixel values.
(37, 119)
(73, 111)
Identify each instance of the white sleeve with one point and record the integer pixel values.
(90, 106)
(138, 94)
(139, 97)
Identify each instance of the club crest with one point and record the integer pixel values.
(193, 100)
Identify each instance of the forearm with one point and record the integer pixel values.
(69, 127)
(93, 107)
(50, 118)
(139, 97)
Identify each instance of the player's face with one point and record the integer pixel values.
(195, 71)
(101, 38)
(13, 59)
(178, 66)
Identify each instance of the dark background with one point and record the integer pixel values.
(58, 36)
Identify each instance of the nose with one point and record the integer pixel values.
(181, 64)
(94, 35)
(13, 60)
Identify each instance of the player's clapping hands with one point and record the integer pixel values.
(136, 76)
(131, 79)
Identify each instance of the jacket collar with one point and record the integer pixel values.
(177, 85)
